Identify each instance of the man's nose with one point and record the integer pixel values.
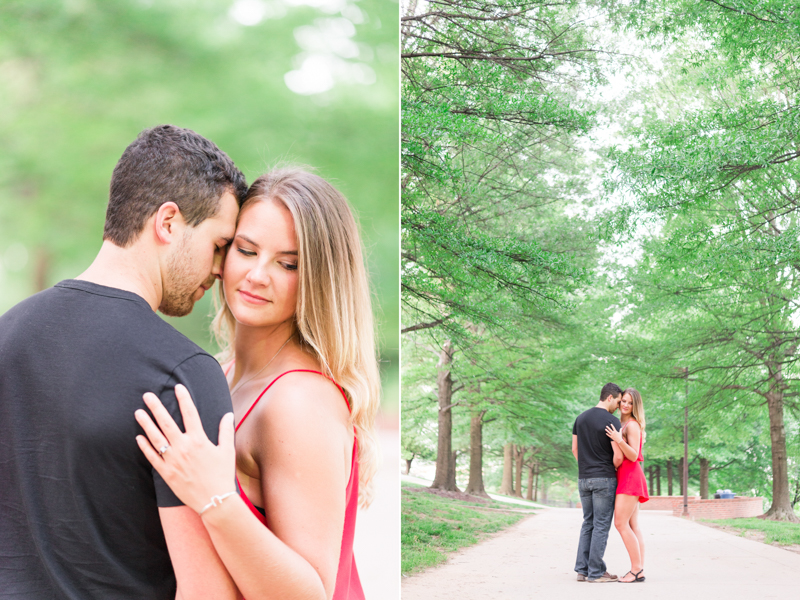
(216, 267)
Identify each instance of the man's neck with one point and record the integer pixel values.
(604, 404)
(132, 269)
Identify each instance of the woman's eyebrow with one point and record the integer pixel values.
(248, 240)
(252, 243)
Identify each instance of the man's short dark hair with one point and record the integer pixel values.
(610, 389)
(163, 164)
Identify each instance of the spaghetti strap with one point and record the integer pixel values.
(252, 406)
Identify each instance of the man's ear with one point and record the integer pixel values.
(168, 222)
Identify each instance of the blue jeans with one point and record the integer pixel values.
(597, 498)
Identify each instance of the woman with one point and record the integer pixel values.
(296, 327)
(631, 483)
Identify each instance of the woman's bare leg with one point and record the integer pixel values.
(624, 509)
(637, 532)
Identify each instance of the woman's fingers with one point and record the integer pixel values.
(152, 431)
(165, 421)
(191, 419)
(226, 431)
(150, 454)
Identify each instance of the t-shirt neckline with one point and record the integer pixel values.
(102, 290)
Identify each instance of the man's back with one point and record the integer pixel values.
(79, 500)
(595, 453)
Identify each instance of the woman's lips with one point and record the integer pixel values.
(252, 298)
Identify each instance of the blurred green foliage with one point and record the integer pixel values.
(82, 77)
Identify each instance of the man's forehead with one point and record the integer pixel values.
(228, 211)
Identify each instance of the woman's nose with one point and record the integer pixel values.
(259, 274)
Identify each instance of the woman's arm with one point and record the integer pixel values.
(634, 432)
(303, 475)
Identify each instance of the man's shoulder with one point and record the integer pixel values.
(589, 413)
(175, 343)
(97, 314)
(27, 305)
(597, 416)
(128, 311)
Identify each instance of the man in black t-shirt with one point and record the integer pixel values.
(598, 458)
(83, 513)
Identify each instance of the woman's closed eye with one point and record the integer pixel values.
(289, 266)
(245, 252)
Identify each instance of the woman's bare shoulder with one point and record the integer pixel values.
(305, 397)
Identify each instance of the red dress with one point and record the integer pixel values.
(348, 585)
(630, 476)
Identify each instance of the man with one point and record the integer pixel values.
(598, 458)
(83, 513)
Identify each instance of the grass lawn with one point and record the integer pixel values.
(777, 532)
(434, 526)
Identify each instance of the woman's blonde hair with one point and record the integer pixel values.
(334, 313)
(637, 409)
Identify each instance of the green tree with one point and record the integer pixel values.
(82, 78)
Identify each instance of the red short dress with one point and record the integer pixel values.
(630, 476)
(348, 585)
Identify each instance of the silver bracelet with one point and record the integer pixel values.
(216, 501)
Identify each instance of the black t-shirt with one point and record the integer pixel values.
(595, 455)
(78, 499)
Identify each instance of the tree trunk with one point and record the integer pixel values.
(544, 491)
(519, 455)
(651, 475)
(680, 476)
(42, 269)
(669, 476)
(531, 469)
(445, 478)
(704, 478)
(475, 485)
(781, 509)
(408, 465)
(506, 488)
(658, 480)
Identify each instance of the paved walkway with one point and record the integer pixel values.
(377, 541)
(684, 561)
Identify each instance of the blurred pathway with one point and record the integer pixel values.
(684, 561)
(377, 543)
(498, 497)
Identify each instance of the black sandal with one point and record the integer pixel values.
(637, 579)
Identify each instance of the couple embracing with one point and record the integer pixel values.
(134, 465)
(611, 482)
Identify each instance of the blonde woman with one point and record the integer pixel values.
(296, 325)
(631, 482)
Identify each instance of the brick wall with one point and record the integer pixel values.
(663, 503)
(731, 508)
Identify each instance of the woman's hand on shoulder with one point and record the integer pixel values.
(194, 467)
(611, 431)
